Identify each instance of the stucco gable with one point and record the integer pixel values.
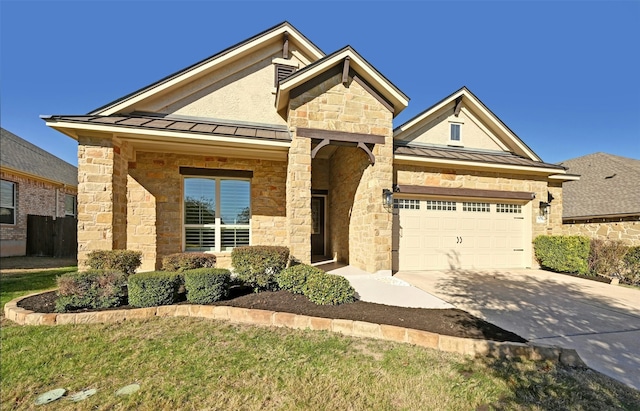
(187, 90)
(480, 129)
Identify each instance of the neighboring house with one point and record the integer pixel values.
(605, 202)
(272, 141)
(34, 182)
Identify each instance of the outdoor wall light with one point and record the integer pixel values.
(387, 198)
(544, 208)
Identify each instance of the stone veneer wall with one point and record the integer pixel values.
(627, 231)
(155, 202)
(428, 176)
(33, 197)
(332, 106)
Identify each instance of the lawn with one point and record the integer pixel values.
(187, 363)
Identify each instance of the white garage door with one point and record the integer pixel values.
(444, 234)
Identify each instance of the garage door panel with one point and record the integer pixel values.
(444, 238)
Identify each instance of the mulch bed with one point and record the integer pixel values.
(451, 322)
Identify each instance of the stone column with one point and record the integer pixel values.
(299, 199)
(101, 196)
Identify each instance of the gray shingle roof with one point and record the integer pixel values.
(609, 185)
(19, 154)
(470, 155)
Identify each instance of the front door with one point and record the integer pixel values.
(318, 225)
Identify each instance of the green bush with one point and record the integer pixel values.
(294, 278)
(565, 254)
(153, 288)
(90, 289)
(126, 261)
(188, 261)
(329, 289)
(258, 266)
(206, 285)
(606, 257)
(631, 272)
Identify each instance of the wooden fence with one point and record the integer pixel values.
(47, 237)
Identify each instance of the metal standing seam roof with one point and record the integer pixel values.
(181, 125)
(19, 154)
(471, 155)
(609, 185)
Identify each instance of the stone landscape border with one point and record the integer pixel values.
(465, 346)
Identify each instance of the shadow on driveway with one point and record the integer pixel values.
(601, 321)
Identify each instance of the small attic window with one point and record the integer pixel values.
(282, 72)
(455, 135)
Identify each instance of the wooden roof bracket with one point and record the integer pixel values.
(285, 46)
(458, 106)
(345, 71)
(365, 147)
(365, 142)
(321, 144)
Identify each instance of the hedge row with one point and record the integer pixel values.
(586, 256)
(90, 289)
(318, 286)
(258, 266)
(126, 261)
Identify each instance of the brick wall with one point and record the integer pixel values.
(33, 197)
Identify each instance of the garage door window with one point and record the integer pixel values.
(406, 204)
(476, 207)
(441, 205)
(509, 208)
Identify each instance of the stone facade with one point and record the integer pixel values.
(627, 231)
(359, 227)
(35, 197)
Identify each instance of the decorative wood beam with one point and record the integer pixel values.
(372, 158)
(465, 192)
(345, 71)
(215, 172)
(285, 46)
(339, 136)
(456, 110)
(321, 144)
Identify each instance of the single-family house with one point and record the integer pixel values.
(605, 202)
(272, 141)
(33, 182)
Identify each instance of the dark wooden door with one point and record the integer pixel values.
(317, 225)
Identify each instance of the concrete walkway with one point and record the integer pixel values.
(384, 289)
(600, 321)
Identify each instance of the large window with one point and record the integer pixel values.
(7, 202)
(216, 213)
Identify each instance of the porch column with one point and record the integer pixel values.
(299, 198)
(102, 196)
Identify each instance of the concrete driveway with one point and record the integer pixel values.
(600, 321)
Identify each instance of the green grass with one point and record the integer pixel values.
(188, 363)
(14, 285)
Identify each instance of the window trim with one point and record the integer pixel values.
(217, 226)
(14, 205)
(457, 142)
(75, 205)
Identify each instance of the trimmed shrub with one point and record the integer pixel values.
(606, 257)
(154, 288)
(126, 261)
(294, 278)
(329, 289)
(631, 272)
(565, 254)
(91, 289)
(258, 266)
(188, 261)
(206, 285)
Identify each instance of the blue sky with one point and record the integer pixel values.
(561, 75)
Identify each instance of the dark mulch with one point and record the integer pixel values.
(452, 322)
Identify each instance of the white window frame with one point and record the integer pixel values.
(457, 142)
(217, 226)
(14, 205)
(75, 205)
